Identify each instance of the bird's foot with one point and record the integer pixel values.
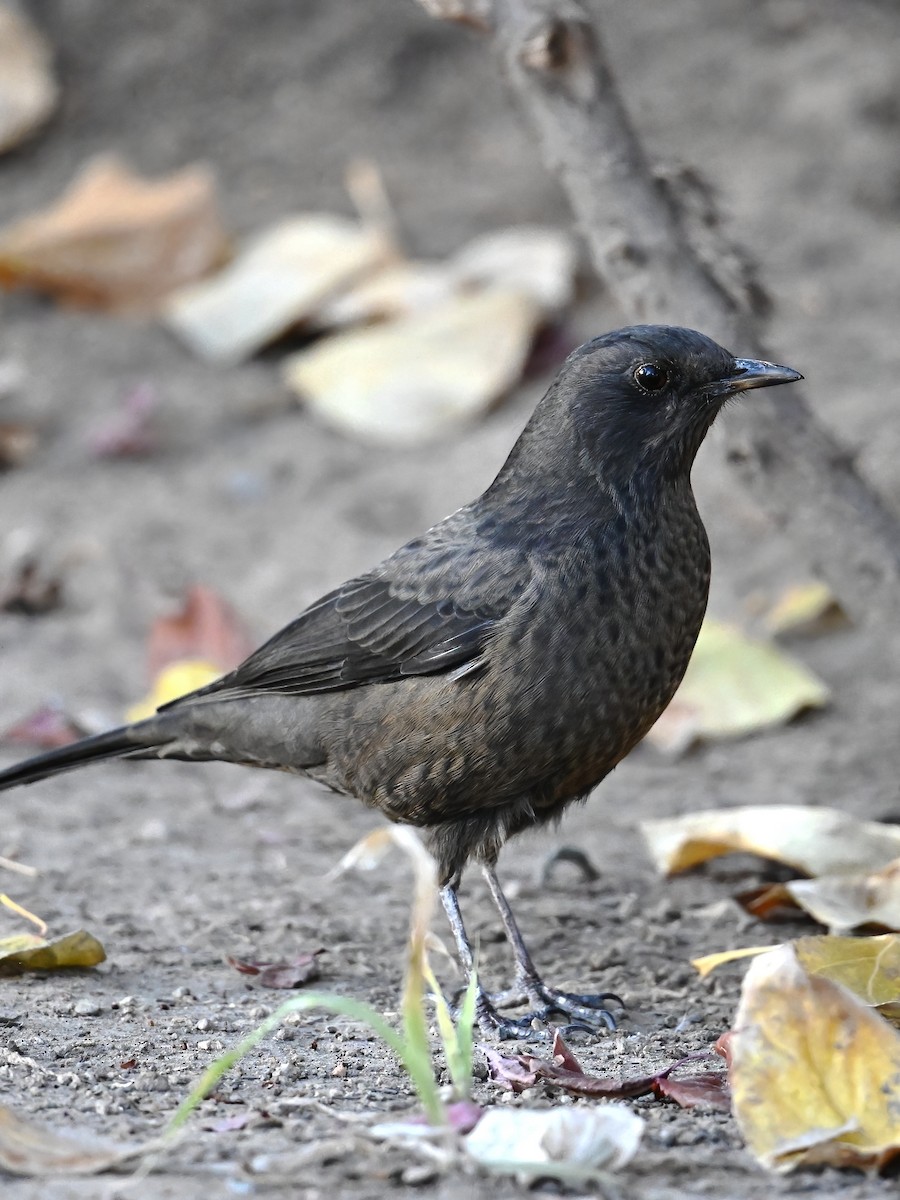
(583, 1013)
(582, 1010)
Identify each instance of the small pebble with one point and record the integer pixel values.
(418, 1175)
(87, 1008)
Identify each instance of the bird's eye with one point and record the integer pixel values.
(651, 377)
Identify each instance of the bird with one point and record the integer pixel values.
(494, 669)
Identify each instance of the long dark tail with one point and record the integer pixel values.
(134, 740)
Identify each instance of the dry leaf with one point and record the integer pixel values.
(845, 902)
(17, 443)
(289, 973)
(206, 628)
(396, 290)
(28, 90)
(278, 281)
(708, 962)
(173, 682)
(27, 1148)
(815, 1075)
(816, 841)
(517, 1073)
(734, 686)
(47, 727)
(117, 241)
(534, 259)
(26, 952)
(566, 1143)
(806, 608)
(414, 379)
(869, 967)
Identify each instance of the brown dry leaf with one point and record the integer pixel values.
(816, 841)
(288, 973)
(734, 686)
(17, 444)
(277, 282)
(206, 628)
(30, 1149)
(26, 952)
(806, 609)
(815, 1074)
(117, 241)
(28, 90)
(417, 378)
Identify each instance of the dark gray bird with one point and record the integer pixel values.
(497, 667)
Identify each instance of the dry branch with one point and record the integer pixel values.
(639, 238)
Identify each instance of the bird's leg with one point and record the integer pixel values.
(580, 1009)
(489, 1020)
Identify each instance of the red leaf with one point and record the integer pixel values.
(206, 628)
(46, 728)
(287, 974)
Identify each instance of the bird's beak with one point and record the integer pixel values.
(753, 373)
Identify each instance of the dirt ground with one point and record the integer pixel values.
(792, 108)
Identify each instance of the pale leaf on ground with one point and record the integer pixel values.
(397, 289)
(537, 260)
(845, 902)
(816, 841)
(868, 966)
(28, 89)
(734, 686)
(278, 281)
(566, 1143)
(415, 379)
(30, 1149)
(815, 1074)
(115, 240)
(806, 608)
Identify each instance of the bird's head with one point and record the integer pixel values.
(640, 400)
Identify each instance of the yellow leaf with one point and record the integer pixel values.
(815, 1074)
(869, 967)
(27, 952)
(413, 379)
(734, 686)
(709, 962)
(177, 679)
(817, 841)
(806, 608)
(115, 240)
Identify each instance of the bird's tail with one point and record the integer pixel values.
(140, 740)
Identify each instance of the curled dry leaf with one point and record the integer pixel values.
(806, 609)
(414, 379)
(17, 444)
(287, 973)
(734, 686)
(816, 841)
(855, 901)
(277, 282)
(28, 90)
(29, 1149)
(815, 1074)
(115, 240)
(27, 952)
(565, 1143)
(519, 1072)
(46, 728)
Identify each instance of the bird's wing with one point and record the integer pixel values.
(429, 608)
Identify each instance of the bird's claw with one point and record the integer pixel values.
(584, 1013)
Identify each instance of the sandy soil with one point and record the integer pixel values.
(792, 109)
